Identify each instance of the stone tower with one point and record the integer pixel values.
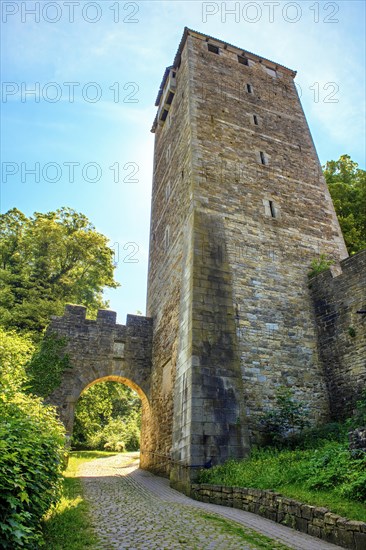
(239, 210)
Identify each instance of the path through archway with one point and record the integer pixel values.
(112, 413)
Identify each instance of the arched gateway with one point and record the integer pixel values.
(102, 351)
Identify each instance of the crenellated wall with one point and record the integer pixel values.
(101, 351)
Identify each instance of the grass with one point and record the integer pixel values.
(320, 477)
(261, 542)
(67, 526)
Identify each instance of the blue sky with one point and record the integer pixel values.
(95, 68)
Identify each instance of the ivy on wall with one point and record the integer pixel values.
(47, 366)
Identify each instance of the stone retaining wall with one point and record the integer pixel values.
(315, 521)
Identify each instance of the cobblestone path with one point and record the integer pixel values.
(133, 509)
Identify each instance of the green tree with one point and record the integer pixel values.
(347, 186)
(107, 413)
(49, 260)
(15, 352)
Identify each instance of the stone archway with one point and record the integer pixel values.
(145, 409)
(102, 350)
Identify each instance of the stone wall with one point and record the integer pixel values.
(338, 294)
(267, 257)
(313, 520)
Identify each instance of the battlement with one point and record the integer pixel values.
(77, 314)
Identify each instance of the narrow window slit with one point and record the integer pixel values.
(170, 98)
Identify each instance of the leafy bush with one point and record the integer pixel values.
(355, 486)
(318, 265)
(358, 419)
(286, 420)
(333, 467)
(118, 435)
(315, 437)
(31, 458)
(15, 351)
(31, 450)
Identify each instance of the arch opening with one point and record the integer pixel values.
(111, 413)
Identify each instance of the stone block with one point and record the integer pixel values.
(301, 524)
(331, 519)
(353, 525)
(307, 511)
(346, 538)
(319, 512)
(313, 530)
(318, 522)
(360, 540)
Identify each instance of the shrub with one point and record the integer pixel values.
(15, 351)
(118, 435)
(333, 467)
(318, 265)
(358, 419)
(314, 437)
(284, 422)
(355, 487)
(31, 459)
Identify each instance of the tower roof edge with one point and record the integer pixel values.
(187, 31)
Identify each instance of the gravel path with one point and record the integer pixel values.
(133, 509)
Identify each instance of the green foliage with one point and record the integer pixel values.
(118, 435)
(327, 476)
(108, 416)
(358, 419)
(49, 260)
(315, 437)
(287, 419)
(31, 449)
(318, 265)
(47, 365)
(333, 467)
(31, 458)
(15, 351)
(347, 186)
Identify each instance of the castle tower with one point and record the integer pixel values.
(239, 210)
